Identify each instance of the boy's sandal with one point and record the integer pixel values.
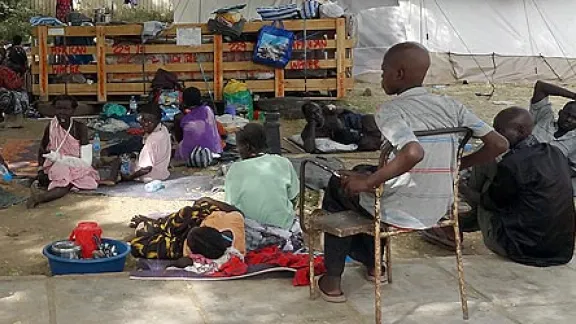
(329, 298)
(383, 277)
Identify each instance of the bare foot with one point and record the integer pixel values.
(330, 286)
(31, 203)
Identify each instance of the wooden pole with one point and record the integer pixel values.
(101, 63)
(43, 61)
(279, 83)
(218, 67)
(340, 57)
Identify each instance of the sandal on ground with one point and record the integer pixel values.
(329, 298)
(371, 278)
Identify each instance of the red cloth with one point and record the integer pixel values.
(135, 131)
(274, 256)
(234, 267)
(63, 8)
(9, 79)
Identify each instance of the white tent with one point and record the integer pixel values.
(474, 40)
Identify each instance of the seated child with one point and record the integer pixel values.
(340, 125)
(69, 139)
(262, 186)
(406, 205)
(196, 126)
(155, 156)
(165, 238)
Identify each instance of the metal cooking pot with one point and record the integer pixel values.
(66, 249)
(102, 15)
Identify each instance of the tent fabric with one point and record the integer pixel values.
(473, 40)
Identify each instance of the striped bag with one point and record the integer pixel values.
(200, 158)
(288, 11)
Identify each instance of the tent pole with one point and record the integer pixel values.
(421, 22)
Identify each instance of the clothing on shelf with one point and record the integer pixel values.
(63, 8)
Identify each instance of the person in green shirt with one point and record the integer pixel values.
(263, 186)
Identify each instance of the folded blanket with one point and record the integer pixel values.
(46, 21)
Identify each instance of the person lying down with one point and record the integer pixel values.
(180, 234)
(340, 125)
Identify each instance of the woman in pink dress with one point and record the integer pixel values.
(65, 136)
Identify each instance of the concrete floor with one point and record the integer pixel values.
(424, 291)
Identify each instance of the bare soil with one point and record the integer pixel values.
(23, 233)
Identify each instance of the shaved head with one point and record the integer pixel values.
(514, 123)
(404, 66)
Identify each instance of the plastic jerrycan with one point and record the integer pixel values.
(84, 234)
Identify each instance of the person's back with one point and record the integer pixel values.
(16, 57)
(538, 217)
(196, 127)
(199, 129)
(262, 186)
(423, 195)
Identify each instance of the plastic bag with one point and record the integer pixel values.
(274, 46)
(242, 102)
(113, 110)
(239, 98)
(168, 113)
(234, 86)
(331, 10)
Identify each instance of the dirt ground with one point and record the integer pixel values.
(23, 233)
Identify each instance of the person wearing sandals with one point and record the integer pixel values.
(417, 199)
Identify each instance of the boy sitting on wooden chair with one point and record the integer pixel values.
(412, 198)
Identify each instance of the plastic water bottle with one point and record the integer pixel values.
(154, 186)
(133, 105)
(96, 147)
(125, 166)
(6, 175)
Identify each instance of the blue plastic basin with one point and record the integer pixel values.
(62, 266)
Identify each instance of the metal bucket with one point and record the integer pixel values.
(66, 249)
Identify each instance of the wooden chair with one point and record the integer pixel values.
(347, 223)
